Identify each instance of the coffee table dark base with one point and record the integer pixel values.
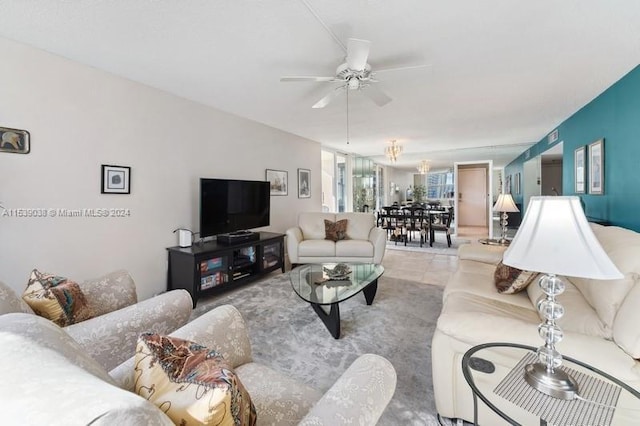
(331, 320)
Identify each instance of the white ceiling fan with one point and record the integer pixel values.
(354, 74)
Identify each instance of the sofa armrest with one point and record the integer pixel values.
(481, 253)
(359, 396)
(294, 238)
(111, 338)
(378, 238)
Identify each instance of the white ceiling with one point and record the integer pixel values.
(502, 73)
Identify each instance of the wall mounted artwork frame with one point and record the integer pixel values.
(507, 185)
(115, 179)
(278, 181)
(596, 167)
(304, 183)
(579, 169)
(14, 140)
(517, 184)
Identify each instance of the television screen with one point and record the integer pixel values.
(232, 205)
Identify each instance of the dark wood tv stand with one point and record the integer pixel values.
(210, 268)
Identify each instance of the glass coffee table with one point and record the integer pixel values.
(495, 373)
(311, 283)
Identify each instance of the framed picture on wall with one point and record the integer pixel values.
(278, 182)
(116, 179)
(304, 179)
(517, 184)
(14, 140)
(507, 185)
(596, 167)
(579, 169)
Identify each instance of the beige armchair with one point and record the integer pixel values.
(110, 336)
(37, 355)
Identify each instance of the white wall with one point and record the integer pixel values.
(403, 179)
(80, 118)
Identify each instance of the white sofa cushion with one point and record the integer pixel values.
(625, 328)
(606, 296)
(358, 224)
(354, 248)
(317, 248)
(579, 315)
(312, 225)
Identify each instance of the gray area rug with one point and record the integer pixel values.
(287, 335)
(439, 247)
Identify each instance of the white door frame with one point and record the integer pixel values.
(483, 163)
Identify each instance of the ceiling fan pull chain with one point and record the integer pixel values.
(347, 115)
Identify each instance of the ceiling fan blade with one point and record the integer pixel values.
(307, 78)
(357, 53)
(328, 98)
(408, 67)
(376, 95)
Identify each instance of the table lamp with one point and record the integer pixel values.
(505, 205)
(556, 239)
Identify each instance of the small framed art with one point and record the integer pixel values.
(579, 169)
(116, 179)
(278, 182)
(14, 140)
(304, 177)
(596, 167)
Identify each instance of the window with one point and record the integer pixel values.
(440, 185)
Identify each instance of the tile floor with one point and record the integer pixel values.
(427, 268)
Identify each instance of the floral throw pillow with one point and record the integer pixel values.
(56, 298)
(335, 231)
(510, 280)
(191, 384)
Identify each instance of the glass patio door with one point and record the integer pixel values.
(334, 182)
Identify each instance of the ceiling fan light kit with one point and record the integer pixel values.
(353, 74)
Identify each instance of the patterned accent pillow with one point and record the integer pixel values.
(191, 384)
(56, 298)
(510, 280)
(335, 231)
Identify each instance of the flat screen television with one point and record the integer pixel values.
(232, 205)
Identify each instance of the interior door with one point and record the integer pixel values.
(472, 197)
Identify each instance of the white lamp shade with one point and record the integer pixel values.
(556, 238)
(505, 203)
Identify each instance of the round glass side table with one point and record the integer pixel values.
(494, 373)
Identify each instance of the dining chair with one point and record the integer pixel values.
(443, 225)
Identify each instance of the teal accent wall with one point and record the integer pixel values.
(615, 116)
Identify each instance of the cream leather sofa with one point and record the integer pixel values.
(601, 324)
(365, 242)
(49, 379)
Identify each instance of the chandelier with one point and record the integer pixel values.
(393, 152)
(424, 167)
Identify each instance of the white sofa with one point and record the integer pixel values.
(49, 379)
(601, 323)
(365, 243)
